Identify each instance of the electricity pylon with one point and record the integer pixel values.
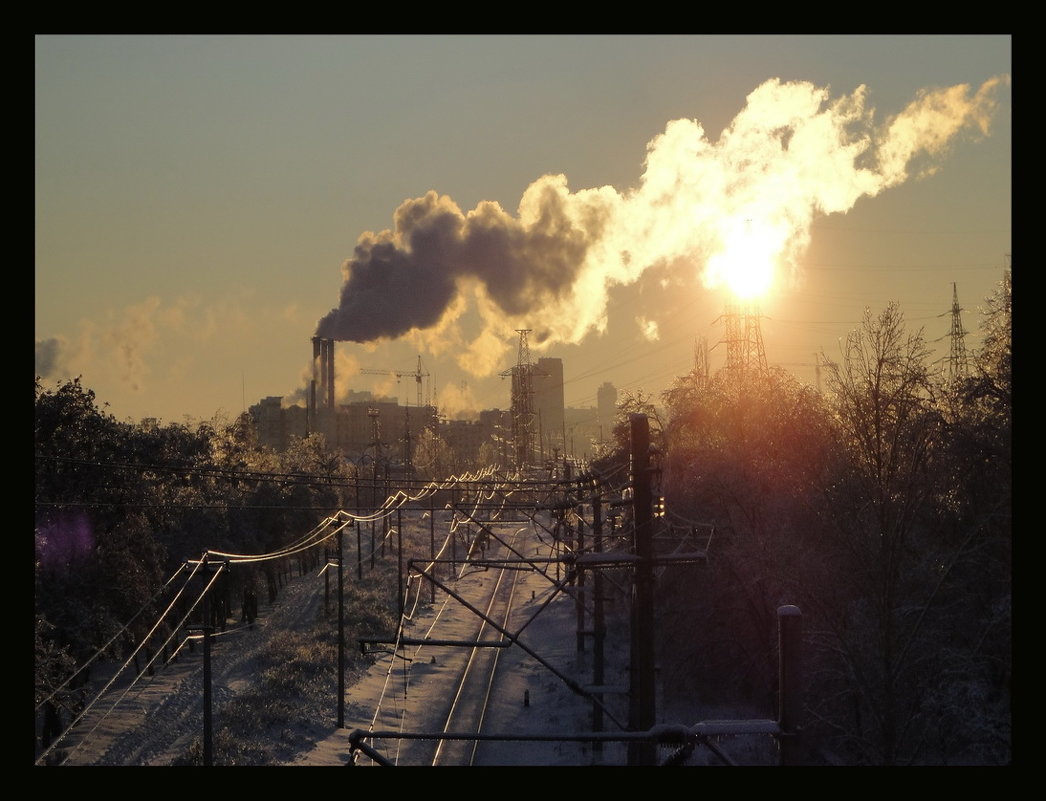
(744, 341)
(522, 401)
(701, 371)
(958, 365)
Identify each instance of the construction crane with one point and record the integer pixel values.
(818, 362)
(418, 374)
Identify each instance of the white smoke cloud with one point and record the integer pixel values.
(132, 345)
(739, 209)
(649, 328)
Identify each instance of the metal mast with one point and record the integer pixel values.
(958, 365)
(701, 370)
(522, 401)
(755, 354)
(744, 341)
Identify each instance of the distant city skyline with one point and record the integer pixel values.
(536, 424)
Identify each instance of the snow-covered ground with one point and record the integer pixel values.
(153, 721)
(530, 698)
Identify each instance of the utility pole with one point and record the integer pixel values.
(208, 748)
(359, 550)
(579, 548)
(341, 634)
(642, 707)
(432, 543)
(207, 627)
(374, 413)
(399, 560)
(598, 622)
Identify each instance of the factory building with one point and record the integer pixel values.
(368, 428)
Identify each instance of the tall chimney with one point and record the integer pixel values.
(316, 380)
(329, 379)
(323, 371)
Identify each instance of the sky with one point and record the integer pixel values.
(207, 204)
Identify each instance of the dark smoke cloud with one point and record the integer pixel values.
(405, 278)
(47, 352)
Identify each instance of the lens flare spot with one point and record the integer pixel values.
(746, 263)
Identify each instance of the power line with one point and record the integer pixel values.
(239, 475)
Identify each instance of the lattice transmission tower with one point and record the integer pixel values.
(522, 402)
(958, 363)
(744, 341)
(701, 368)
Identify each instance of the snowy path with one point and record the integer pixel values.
(154, 721)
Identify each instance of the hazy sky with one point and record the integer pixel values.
(203, 201)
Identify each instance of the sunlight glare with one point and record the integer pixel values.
(747, 259)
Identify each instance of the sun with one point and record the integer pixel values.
(745, 263)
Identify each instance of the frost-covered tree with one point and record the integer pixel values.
(897, 558)
(745, 456)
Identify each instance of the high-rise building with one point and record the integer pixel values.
(277, 425)
(606, 402)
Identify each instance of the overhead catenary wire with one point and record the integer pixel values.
(96, 699)
(102, 650)
(483, 491)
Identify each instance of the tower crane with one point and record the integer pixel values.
(819, 361)
(418, 374)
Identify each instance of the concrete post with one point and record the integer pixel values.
(790, 702)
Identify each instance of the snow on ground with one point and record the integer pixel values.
(152, 721)
(530, 698)
(157, 718)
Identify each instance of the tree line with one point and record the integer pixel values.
(119, 509)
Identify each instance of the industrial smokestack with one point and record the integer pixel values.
(322, 372)
(330, 373)
(311, 417)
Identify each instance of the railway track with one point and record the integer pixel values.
(489, 621)
(468, 708)
(454, 673)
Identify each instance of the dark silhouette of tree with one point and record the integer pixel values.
(883, 510)
(120, 508)
(881, 391)
(631, 403)
(969, 705)
(894, 550)
(744, 458)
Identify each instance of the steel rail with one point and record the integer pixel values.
(478, 658)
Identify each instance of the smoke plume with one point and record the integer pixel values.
(745, 202)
